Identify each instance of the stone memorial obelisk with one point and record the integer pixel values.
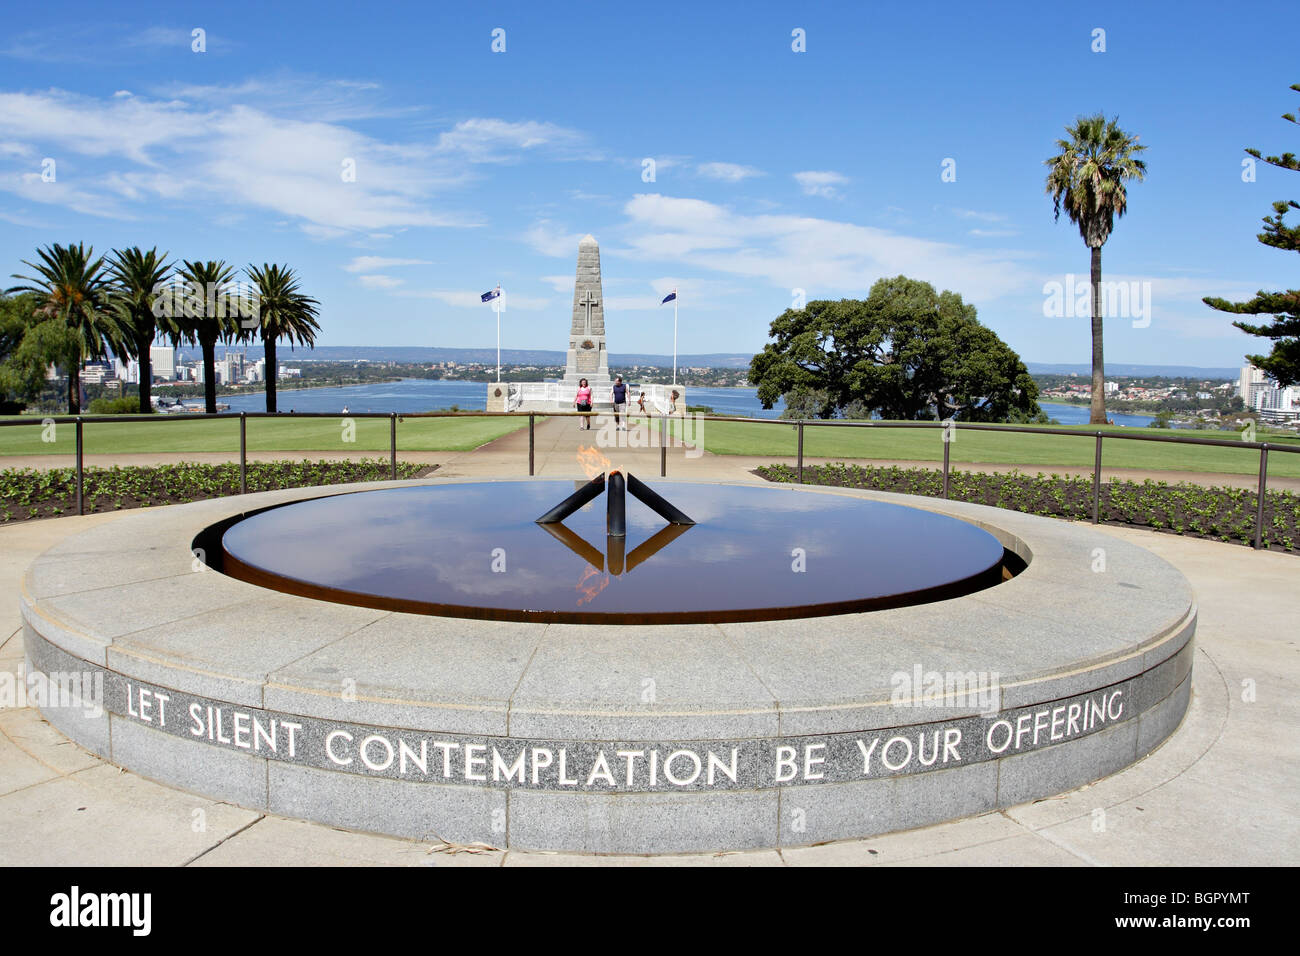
(587, 357)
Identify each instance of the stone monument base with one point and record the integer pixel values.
(558, 397)
(634, 739)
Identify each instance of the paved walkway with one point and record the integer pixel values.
(557, 440)
(1222, 790)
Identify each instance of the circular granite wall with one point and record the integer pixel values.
(629, 739)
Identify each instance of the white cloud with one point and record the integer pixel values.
(92, 40)
(702, 294)
(727, 172)
(559, 283)
(175, 37)
(823, 256)
(820, 183)
(1176, 305)
(303, 96)
(61, 192)
(990, 233)
(499, 141)
(366, 263)
(469, 299)
(975, 214)
(23, 221)
(289, 165)
(545, 238)
(322, 233)
(379, 281)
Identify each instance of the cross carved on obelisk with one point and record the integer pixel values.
(588, 300)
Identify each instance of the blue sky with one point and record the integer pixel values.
(774, 170)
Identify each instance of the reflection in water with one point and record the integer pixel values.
(614, 549)
(429, 549)
(589, 591)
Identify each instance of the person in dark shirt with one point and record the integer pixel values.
(620, 401)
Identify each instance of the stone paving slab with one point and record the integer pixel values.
(1220, 740)
(274, 841)
(105, 817)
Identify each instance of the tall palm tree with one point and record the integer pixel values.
(208, 317)
(72, 287)
(138, 275)
(1087, 179)
(284, 312)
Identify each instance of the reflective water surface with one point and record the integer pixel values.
(473, 550)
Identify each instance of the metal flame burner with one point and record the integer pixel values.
(756, 553)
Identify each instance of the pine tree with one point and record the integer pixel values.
(1283, 363)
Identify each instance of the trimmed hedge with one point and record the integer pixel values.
(1222, 514)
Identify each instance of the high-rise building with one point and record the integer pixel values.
(163, 360)
(1252, 381)
(93, 373)
(128, 371)
(1274, 404)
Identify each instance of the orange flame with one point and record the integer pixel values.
(592, 461)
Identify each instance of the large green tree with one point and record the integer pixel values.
(72, 293)
(22, 371)
(138, 276)
(905, 352)
(283, 312)
(208, 313)
(1087, 179)
(1283, 363)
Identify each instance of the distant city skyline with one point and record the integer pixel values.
(404, 168)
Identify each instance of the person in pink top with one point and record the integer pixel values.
(582, 402)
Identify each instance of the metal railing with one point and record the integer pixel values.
(799, 425)
(1263, 447)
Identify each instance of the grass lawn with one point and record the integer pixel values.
(898, 444)
(221, 433)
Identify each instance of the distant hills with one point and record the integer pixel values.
(1120, 368)
(428, 355)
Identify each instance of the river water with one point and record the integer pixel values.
(425, 395)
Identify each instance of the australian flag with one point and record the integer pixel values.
(669, 297)
(489, 296)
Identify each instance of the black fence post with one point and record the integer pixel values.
(947, 442)
(663, 448)
(801, 451)
(1096, 484)
(531, 421)
(80, 471)
(1259, 503)
(243, 453)
(392, 443)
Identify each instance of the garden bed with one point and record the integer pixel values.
(52, 493)
(1221, 514)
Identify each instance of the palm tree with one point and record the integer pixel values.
(283, 313)
(208, 317)
(72, 288)
(138, 276)
(1087, 179)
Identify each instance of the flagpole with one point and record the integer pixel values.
(500, 295)
(674, 336)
